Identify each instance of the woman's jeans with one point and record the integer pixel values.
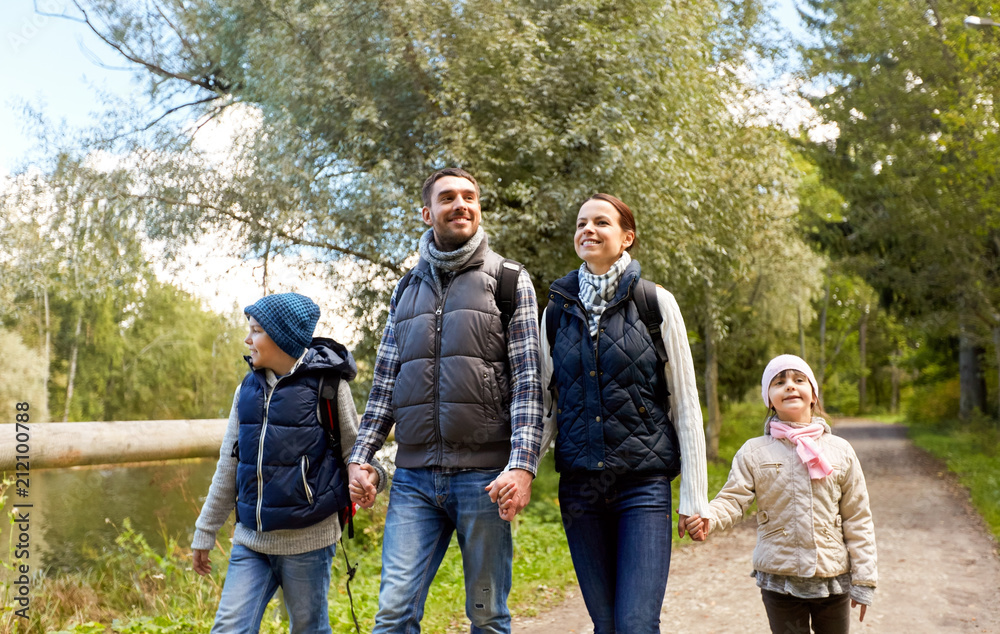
(427, 506)
(253, 578)
(619, 531)
(791, 615)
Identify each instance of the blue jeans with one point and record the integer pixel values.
(425, 508)
(253, 578)
(619, 531)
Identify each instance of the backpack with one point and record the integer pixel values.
(330, 421)
(644, 298)
(505, 294)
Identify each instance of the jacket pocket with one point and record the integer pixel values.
(774, 532)
(304, 466)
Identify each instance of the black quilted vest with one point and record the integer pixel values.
(609, 414)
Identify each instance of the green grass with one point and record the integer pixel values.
(134, 587)
(974, 455)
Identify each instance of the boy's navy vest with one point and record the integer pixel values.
(287, 476)
(612, 411)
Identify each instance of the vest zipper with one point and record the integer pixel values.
(304, 463)
(260, 456)
(438, 320)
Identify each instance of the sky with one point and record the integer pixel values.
(58, 66)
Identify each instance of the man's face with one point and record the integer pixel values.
(454, 212)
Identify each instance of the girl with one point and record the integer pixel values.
(625, 425)
(815, 537)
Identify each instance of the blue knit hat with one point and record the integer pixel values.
(288, 319)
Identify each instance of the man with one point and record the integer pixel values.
(467, 404)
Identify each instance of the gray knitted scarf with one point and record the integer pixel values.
(597, 290)
(447, 260)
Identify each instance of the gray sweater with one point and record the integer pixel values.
(221, 498)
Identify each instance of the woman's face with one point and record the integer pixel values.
(600, 239)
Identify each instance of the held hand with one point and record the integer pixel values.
(864, 607)
(201, 563)
(694, 525)
(511, 491)
(362, 481)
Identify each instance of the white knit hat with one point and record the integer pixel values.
(778, 365)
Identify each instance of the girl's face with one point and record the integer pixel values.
(600, 239)
(792, 396)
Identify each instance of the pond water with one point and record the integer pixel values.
(77, 513)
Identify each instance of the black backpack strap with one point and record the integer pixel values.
(330, 420)
(403, 283)
(506, 293)
(644, 297)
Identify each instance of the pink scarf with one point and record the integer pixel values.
(810, 453)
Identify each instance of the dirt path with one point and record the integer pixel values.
(938, 566)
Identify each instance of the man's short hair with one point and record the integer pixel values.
(448, 171)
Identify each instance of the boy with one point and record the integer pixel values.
(278, 471)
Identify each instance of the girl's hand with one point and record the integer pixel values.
(694, 525)
(864, 607)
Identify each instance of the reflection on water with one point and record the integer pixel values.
(71, 508)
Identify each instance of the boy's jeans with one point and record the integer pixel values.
(253, 578)
(425, 508)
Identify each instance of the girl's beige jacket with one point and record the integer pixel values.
(805, 527)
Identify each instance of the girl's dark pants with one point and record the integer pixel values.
(792, 615)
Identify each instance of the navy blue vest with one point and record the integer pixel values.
(288, 476)
(611, 414)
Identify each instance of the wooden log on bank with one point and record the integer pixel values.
(55, 445)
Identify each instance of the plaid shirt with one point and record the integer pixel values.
(526, 387)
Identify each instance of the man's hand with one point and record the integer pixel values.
(201, 563)
(864, 607)
(362, 480)
(694, 525)
(511, 491)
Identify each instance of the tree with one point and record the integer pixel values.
(358, 101)
(912, 93)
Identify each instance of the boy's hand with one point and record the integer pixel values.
(695, 526)
(202, 565)
(511, 491)
(362, 480)
(864, 607)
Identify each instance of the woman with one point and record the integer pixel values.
(625, 424)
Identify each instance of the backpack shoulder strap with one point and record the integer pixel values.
(649, 311)
(329, 418)
(403, 283)
(506, 290)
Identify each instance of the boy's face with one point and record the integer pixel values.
(264, 353)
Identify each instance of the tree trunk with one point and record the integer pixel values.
(72, 366)
(712, 391)
(802, 335)
(862, 361)
(996, 353)
(894, 398)
(970, 375)
(821, 375)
